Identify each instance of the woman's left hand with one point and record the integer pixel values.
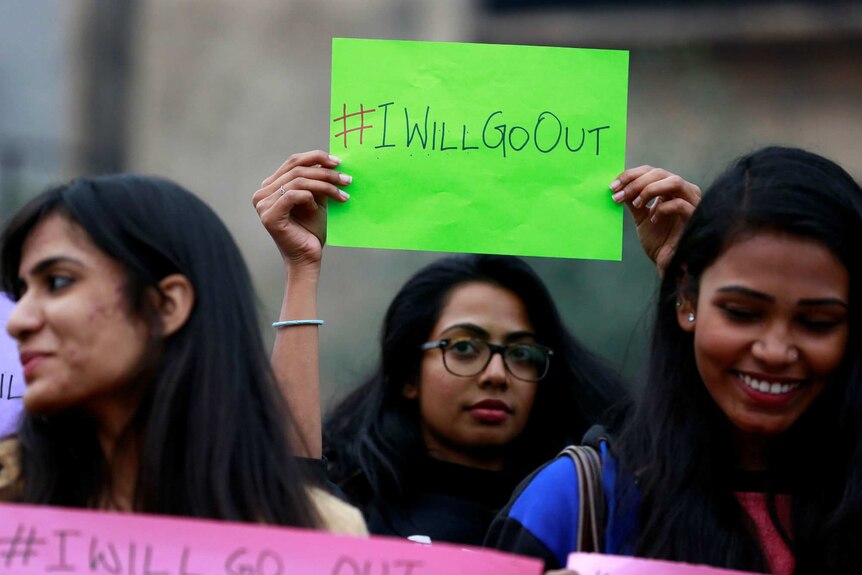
(661, 222)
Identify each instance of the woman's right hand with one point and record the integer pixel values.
(292, 204)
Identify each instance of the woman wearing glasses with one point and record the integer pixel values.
(478, 382)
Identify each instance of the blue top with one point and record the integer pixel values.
(541, 519)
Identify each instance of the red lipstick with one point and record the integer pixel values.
(490, 411)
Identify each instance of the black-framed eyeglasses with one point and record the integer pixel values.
(468, 357)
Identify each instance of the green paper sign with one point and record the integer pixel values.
(478, 148)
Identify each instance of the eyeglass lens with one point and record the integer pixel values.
(467, 357)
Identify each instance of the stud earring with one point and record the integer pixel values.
(691, 317)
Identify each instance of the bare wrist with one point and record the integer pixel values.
(303, 271)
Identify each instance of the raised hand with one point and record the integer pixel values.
(661, 203)
(292, 204)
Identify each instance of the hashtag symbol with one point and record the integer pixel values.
(360, 128)
(19, 547)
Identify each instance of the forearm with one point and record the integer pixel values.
(296, 359)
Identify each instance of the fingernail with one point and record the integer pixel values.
(344, 195)
(614, 185)
(335, 159)
(345, 179)
(653, 218)
(619, 197)
(637, 202)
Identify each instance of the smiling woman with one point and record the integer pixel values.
(744, 449)
(144, 391)
(771, 327)
(70, 316)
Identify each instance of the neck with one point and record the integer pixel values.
(121, 457)
(487, 459)
(489, 464)
(752, 450)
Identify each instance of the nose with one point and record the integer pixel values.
(775, 347)
(495, 373)
(24, 319)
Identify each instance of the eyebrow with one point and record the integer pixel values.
(47, 263)
(768, 298)
(481, 332)
(824, 301)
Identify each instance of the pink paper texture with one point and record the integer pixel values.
(43, 540)
(595, 564)
(11, 379)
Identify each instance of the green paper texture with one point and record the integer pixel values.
(478, 148)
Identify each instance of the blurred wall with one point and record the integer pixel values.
(222, 91)
(36, 85)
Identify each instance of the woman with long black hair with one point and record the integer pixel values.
(745, 450)
(478, 382)
(148, 388)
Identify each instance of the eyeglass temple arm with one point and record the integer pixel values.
(433, 344)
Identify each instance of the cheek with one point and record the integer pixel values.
(718, 345)
(526, 397)
(710, 351)
(101, 312)
(825, 357)
(439, 390)
(110, 347)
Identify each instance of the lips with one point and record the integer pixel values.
(769, 389)
(30, 360)
(490, 411)
(493, 404)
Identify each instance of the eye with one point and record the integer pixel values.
(465, 347)
(740, 314)
(524, 353)
(58, 282)
(819, 324)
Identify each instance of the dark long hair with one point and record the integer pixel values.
(210, 429)
(372, 437)
(678, 442)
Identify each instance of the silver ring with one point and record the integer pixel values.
(281, 191)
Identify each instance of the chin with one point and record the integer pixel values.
(486, 442)
(762, 428)
(35, 405)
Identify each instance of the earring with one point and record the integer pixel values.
(691, 317)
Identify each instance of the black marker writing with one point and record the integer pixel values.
(20, 547)
(268, 562)
(63, 534)
(6, 381)
(347, 565)
(499, 132)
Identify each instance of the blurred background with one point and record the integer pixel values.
(215, 94)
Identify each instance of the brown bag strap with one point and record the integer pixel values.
(591, 515)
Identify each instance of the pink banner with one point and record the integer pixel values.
(11, 380)
(48, 540)
(594, 564)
